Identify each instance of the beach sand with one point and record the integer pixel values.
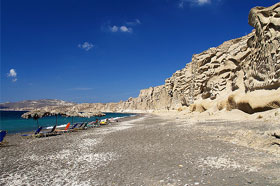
(148, 149)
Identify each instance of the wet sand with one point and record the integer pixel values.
(141, 150)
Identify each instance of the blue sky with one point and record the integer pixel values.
(108, 50)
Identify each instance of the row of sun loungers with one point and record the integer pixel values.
(54, 131)
(68, 128)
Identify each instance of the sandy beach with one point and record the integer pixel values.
(194, 84)
(161, 149)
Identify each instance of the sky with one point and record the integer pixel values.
(108, 50)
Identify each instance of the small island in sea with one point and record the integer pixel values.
(213, 122)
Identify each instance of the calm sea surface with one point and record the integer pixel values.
(13, 123)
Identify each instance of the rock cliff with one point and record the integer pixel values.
(242, 73)
(236, 74)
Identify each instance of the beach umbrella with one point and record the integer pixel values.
(35, 114)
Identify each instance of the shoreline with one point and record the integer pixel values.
(47, 126)
(62, 126)
(270, 117)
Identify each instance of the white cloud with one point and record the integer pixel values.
(125, 29)
(122, 28)
(86, 46)
(13, 74)
(181, 3)
(114, 28)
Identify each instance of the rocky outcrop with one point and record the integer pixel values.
(237, 67)
(214, 72)
(238, 74)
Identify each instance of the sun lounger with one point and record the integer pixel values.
(35, 133)
(3, 133)
(95, 123)
(74, 126)
(103, 123)
(92, 124)
(65, 130)
(52, 132)
(81, 124)
(82, 127)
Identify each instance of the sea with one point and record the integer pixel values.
(13, 123)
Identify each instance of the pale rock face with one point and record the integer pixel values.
(230, 76)
(215, 71)
(262, 66)
(240, 65)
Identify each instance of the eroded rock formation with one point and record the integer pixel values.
(240, 65)
(242, 73)
(262, 66)
(227, 73)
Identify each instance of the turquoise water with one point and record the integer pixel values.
(13, 123)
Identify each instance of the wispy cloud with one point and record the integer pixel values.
(182, 3)
(86, 46)
(133, 23)
(12, 73)
(202, 2)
